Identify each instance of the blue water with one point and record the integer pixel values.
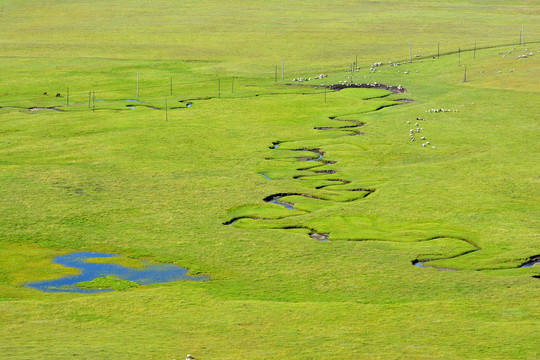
(188, 105)
(530, 264)
(133, 100)
(150, 274)
(132, 107)
(282, 204)
(320, 156)
(266, 177)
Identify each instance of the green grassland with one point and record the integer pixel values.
(159, 181)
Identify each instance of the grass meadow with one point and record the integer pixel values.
(154, 171)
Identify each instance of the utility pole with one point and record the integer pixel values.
(282, 69)
(137, 85)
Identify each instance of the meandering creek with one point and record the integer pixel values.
(351, 129)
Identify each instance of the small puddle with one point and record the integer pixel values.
(319, 236)
(148, 274)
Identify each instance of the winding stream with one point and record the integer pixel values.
(316, 171)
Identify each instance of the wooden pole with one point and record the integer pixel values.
(137, 85)
(93, 100)
(166, 111)
(89, 98)
(67, 97)
(459, 56)
(232, 90)
(465, 76)
(438, 43)
(282, 69)
(171, 85)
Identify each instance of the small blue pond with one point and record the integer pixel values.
(149, 274)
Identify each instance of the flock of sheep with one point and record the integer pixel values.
(320, 77)
(418, 130)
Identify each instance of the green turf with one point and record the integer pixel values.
(159, 185)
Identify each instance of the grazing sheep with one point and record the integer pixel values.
(423, 145)
(408, 122)
(423, 138)
(417, 130)
(412, 139)
(433, 147)
(416, 124)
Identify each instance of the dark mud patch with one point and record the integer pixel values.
(394, 89)
(278, 196)
(233, 220)
(38, 108)
(340, 181)
(146, 106)
(324, 171)
(319, 236)
(407, 101)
